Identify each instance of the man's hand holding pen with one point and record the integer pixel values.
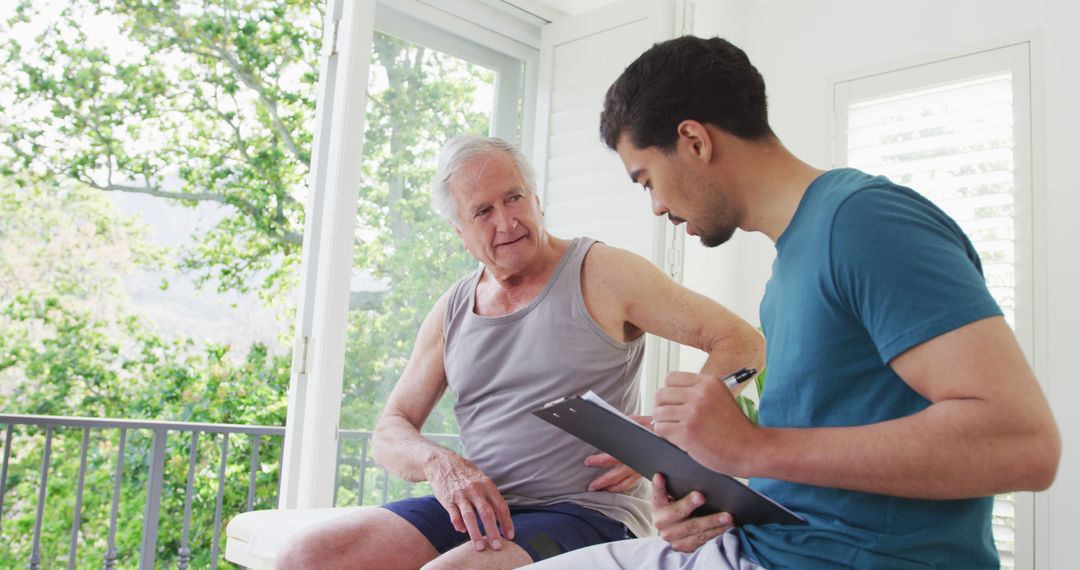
(699, 414)
(735, 380)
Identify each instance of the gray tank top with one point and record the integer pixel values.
(502, 368)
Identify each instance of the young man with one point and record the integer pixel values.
(898, 401)
(542, 318)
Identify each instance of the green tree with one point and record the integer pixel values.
(186, 101)
(193, 103)
(68, 347)
(215, 78)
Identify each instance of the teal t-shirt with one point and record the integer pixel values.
(866, 270)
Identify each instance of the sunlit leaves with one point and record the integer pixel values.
(188, 101)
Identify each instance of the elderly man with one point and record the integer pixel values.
(898, 400)
(543, 317)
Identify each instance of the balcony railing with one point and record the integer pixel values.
(164, 448)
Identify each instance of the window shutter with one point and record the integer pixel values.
(955, 144)
(584, 186)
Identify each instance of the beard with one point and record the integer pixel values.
(714, 221)
(717, 237)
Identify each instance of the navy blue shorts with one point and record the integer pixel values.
(543, 532)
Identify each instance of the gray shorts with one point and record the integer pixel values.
(721, 553)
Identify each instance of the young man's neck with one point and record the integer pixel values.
(770, 181)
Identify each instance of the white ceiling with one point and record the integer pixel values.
(552, 10)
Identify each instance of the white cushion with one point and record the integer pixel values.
(255, 538)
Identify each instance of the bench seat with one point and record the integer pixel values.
(254, 538)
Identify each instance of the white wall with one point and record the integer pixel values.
(734, 274)
(802, 47)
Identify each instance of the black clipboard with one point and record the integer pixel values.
(647, 453)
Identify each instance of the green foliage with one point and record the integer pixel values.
(195, 103)
(187, 101)
(68, 241)
(749, 405)
(74, 365)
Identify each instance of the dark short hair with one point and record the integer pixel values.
(706, 80)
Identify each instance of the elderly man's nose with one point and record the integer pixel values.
(505, 221)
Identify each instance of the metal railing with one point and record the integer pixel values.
(356, 475)
(160, 431)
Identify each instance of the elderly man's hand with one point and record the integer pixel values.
(672, 519)
(618, 478)
(470, 497)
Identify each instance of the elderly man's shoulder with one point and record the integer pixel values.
(608, 263)
(603, 255)
(438, 311)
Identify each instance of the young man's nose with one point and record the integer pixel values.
(658, 208)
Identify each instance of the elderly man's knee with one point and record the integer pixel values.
(375, 538)
(448, 563)
(464, 557)
(307, 550)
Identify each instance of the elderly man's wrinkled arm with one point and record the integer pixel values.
(469, 496)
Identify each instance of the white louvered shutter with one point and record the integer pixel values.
(962, 143)
(584, 186)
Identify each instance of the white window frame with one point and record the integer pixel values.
(1029, 268)
(509, 70)
(309, 458)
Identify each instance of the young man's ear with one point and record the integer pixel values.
(695, 140)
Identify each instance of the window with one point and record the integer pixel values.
(425, 86)
(958, 131)
(152, 169)
(404, 76)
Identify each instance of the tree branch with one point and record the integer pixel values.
(287, 236)
(154, 191)
(222, 54)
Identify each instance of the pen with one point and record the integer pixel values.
(738, 377)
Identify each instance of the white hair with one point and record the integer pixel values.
(460, 150)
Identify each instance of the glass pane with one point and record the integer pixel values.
(405, 256)
(152, 182)
(955, 145)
